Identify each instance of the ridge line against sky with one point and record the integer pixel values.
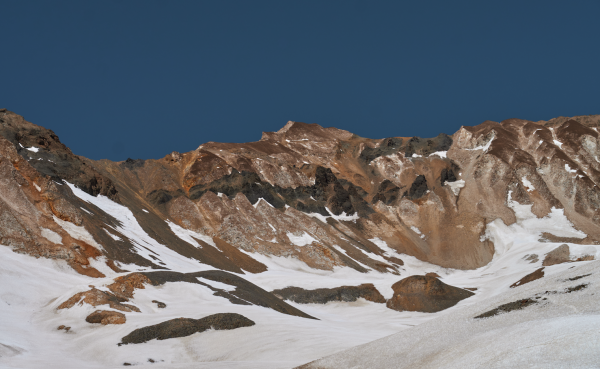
(140, 79)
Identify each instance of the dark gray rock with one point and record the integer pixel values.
(325, 295)
(182, 327)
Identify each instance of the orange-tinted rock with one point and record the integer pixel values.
(95, 297)
(105, 317)
(425, 294)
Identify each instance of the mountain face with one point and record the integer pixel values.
(305, 199)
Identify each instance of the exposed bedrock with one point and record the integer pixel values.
(425, 294)
(320, 195)
(324, 295)
(182, 327)
(44, 151)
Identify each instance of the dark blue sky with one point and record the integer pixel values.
(118, 79)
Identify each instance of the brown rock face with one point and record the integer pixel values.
(105, 317)
(539, 273)
(425, 294)
(559, 255)
(287, 194)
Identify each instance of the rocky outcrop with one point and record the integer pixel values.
(123, 288)
(43, 150)
(324, 295)
(245, 293)
(425, 294)
(507, 308)
(96, 297)
(537, 274)
(183, 327)
(105, 317)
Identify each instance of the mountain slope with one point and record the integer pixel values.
(313, 208)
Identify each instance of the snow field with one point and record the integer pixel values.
(31, 289)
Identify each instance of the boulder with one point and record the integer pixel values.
(105, 317)
(559, 255)
(325, 295)
(425, 294)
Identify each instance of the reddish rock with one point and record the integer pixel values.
(425, 294)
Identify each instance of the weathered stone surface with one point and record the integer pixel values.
(96, 297)
(425, 294)
(105, 317)
(559, 255)
(325, 295)
(182, 327)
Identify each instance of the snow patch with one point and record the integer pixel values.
(417, 231)
(354, 217)
(456, 186)
(51, 236)
(114, 237)
(486, 146)
(78, 232)
(33, 149)
(568, 169)
(558, 143)
(303, 240)
(441, 154)
(189, 235)
(528, 185)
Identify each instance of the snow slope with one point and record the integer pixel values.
(561, 331)
(565, 327)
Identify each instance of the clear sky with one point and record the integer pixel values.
(139, 79)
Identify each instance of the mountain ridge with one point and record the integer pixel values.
(317, 211)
